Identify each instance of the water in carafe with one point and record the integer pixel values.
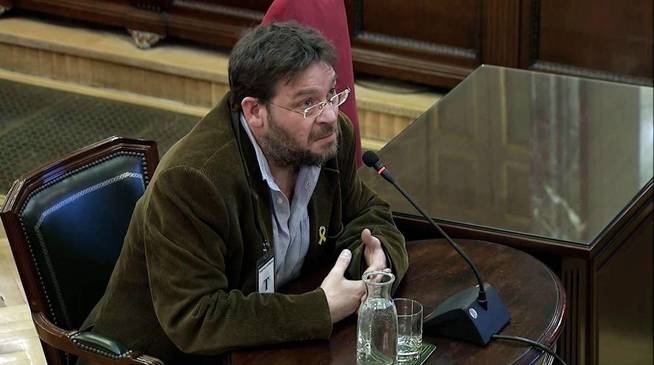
(377, 323)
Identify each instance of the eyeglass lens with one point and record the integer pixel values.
(335, 100)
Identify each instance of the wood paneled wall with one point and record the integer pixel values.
(440, 42)
(604, 39)
(431, 42)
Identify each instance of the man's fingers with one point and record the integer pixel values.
(343, 296)
(366, 236)
(341, 263)
(370, 241)
(373, 268)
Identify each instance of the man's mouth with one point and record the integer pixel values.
(325, 134)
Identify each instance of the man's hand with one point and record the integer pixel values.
(373, 252)
(343, 296)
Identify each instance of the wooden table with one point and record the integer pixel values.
(559, 167)
(532, 293)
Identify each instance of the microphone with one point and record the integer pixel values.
(473, 314)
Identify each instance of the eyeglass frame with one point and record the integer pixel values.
(321, 105)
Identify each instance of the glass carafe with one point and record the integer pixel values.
(377, 324)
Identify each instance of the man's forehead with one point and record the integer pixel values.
(310, 79)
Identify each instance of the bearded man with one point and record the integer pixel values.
(261, 192)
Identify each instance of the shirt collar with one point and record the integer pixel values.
(261, 158)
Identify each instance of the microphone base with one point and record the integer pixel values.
(462, 317)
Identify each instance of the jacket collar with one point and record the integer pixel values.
(259, 193)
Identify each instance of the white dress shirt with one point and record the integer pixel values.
(290, 220)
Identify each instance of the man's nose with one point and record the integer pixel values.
(329, 114)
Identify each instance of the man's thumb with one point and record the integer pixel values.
(341, 263)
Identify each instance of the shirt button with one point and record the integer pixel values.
(279, 200)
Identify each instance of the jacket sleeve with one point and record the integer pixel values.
(187, 253)
(362, 208)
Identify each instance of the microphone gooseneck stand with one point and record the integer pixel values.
(474, 315)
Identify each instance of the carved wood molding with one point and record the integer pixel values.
(373, 39)
(408, 68)
(104, 12)
(220, 34)
(114, 12)
(575, 278)
(204, 7)
(151, 5)
(546, 66)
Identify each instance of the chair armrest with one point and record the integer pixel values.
(101, 344)
(92, 346)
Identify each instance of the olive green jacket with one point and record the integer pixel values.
(185, 279)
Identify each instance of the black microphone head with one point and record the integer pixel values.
(370, 158)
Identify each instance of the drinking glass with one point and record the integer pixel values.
(409, 329)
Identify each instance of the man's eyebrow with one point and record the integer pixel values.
(311, 90)
(306, 92)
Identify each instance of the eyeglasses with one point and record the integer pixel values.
(314, 110)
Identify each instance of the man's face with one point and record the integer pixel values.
(289, 139)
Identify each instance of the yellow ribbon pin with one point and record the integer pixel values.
(322, 232)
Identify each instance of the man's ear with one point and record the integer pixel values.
(254, 111)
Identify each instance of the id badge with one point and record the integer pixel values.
(266, 274)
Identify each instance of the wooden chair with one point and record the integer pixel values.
(65, 223)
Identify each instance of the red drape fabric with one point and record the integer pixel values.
(328, 17)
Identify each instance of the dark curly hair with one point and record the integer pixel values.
(274, 52)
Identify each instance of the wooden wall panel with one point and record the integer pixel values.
(450, 22)
(500, 32)
(430, 42)
(606, 39)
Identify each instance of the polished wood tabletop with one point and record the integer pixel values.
(532, 293)
(548, 156)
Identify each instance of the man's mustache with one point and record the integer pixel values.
(323, 131)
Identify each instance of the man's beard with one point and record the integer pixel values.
(282, 148)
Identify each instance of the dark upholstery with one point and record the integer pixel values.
(66, 223)
(75, 228)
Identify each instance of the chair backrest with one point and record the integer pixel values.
(66, 222)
